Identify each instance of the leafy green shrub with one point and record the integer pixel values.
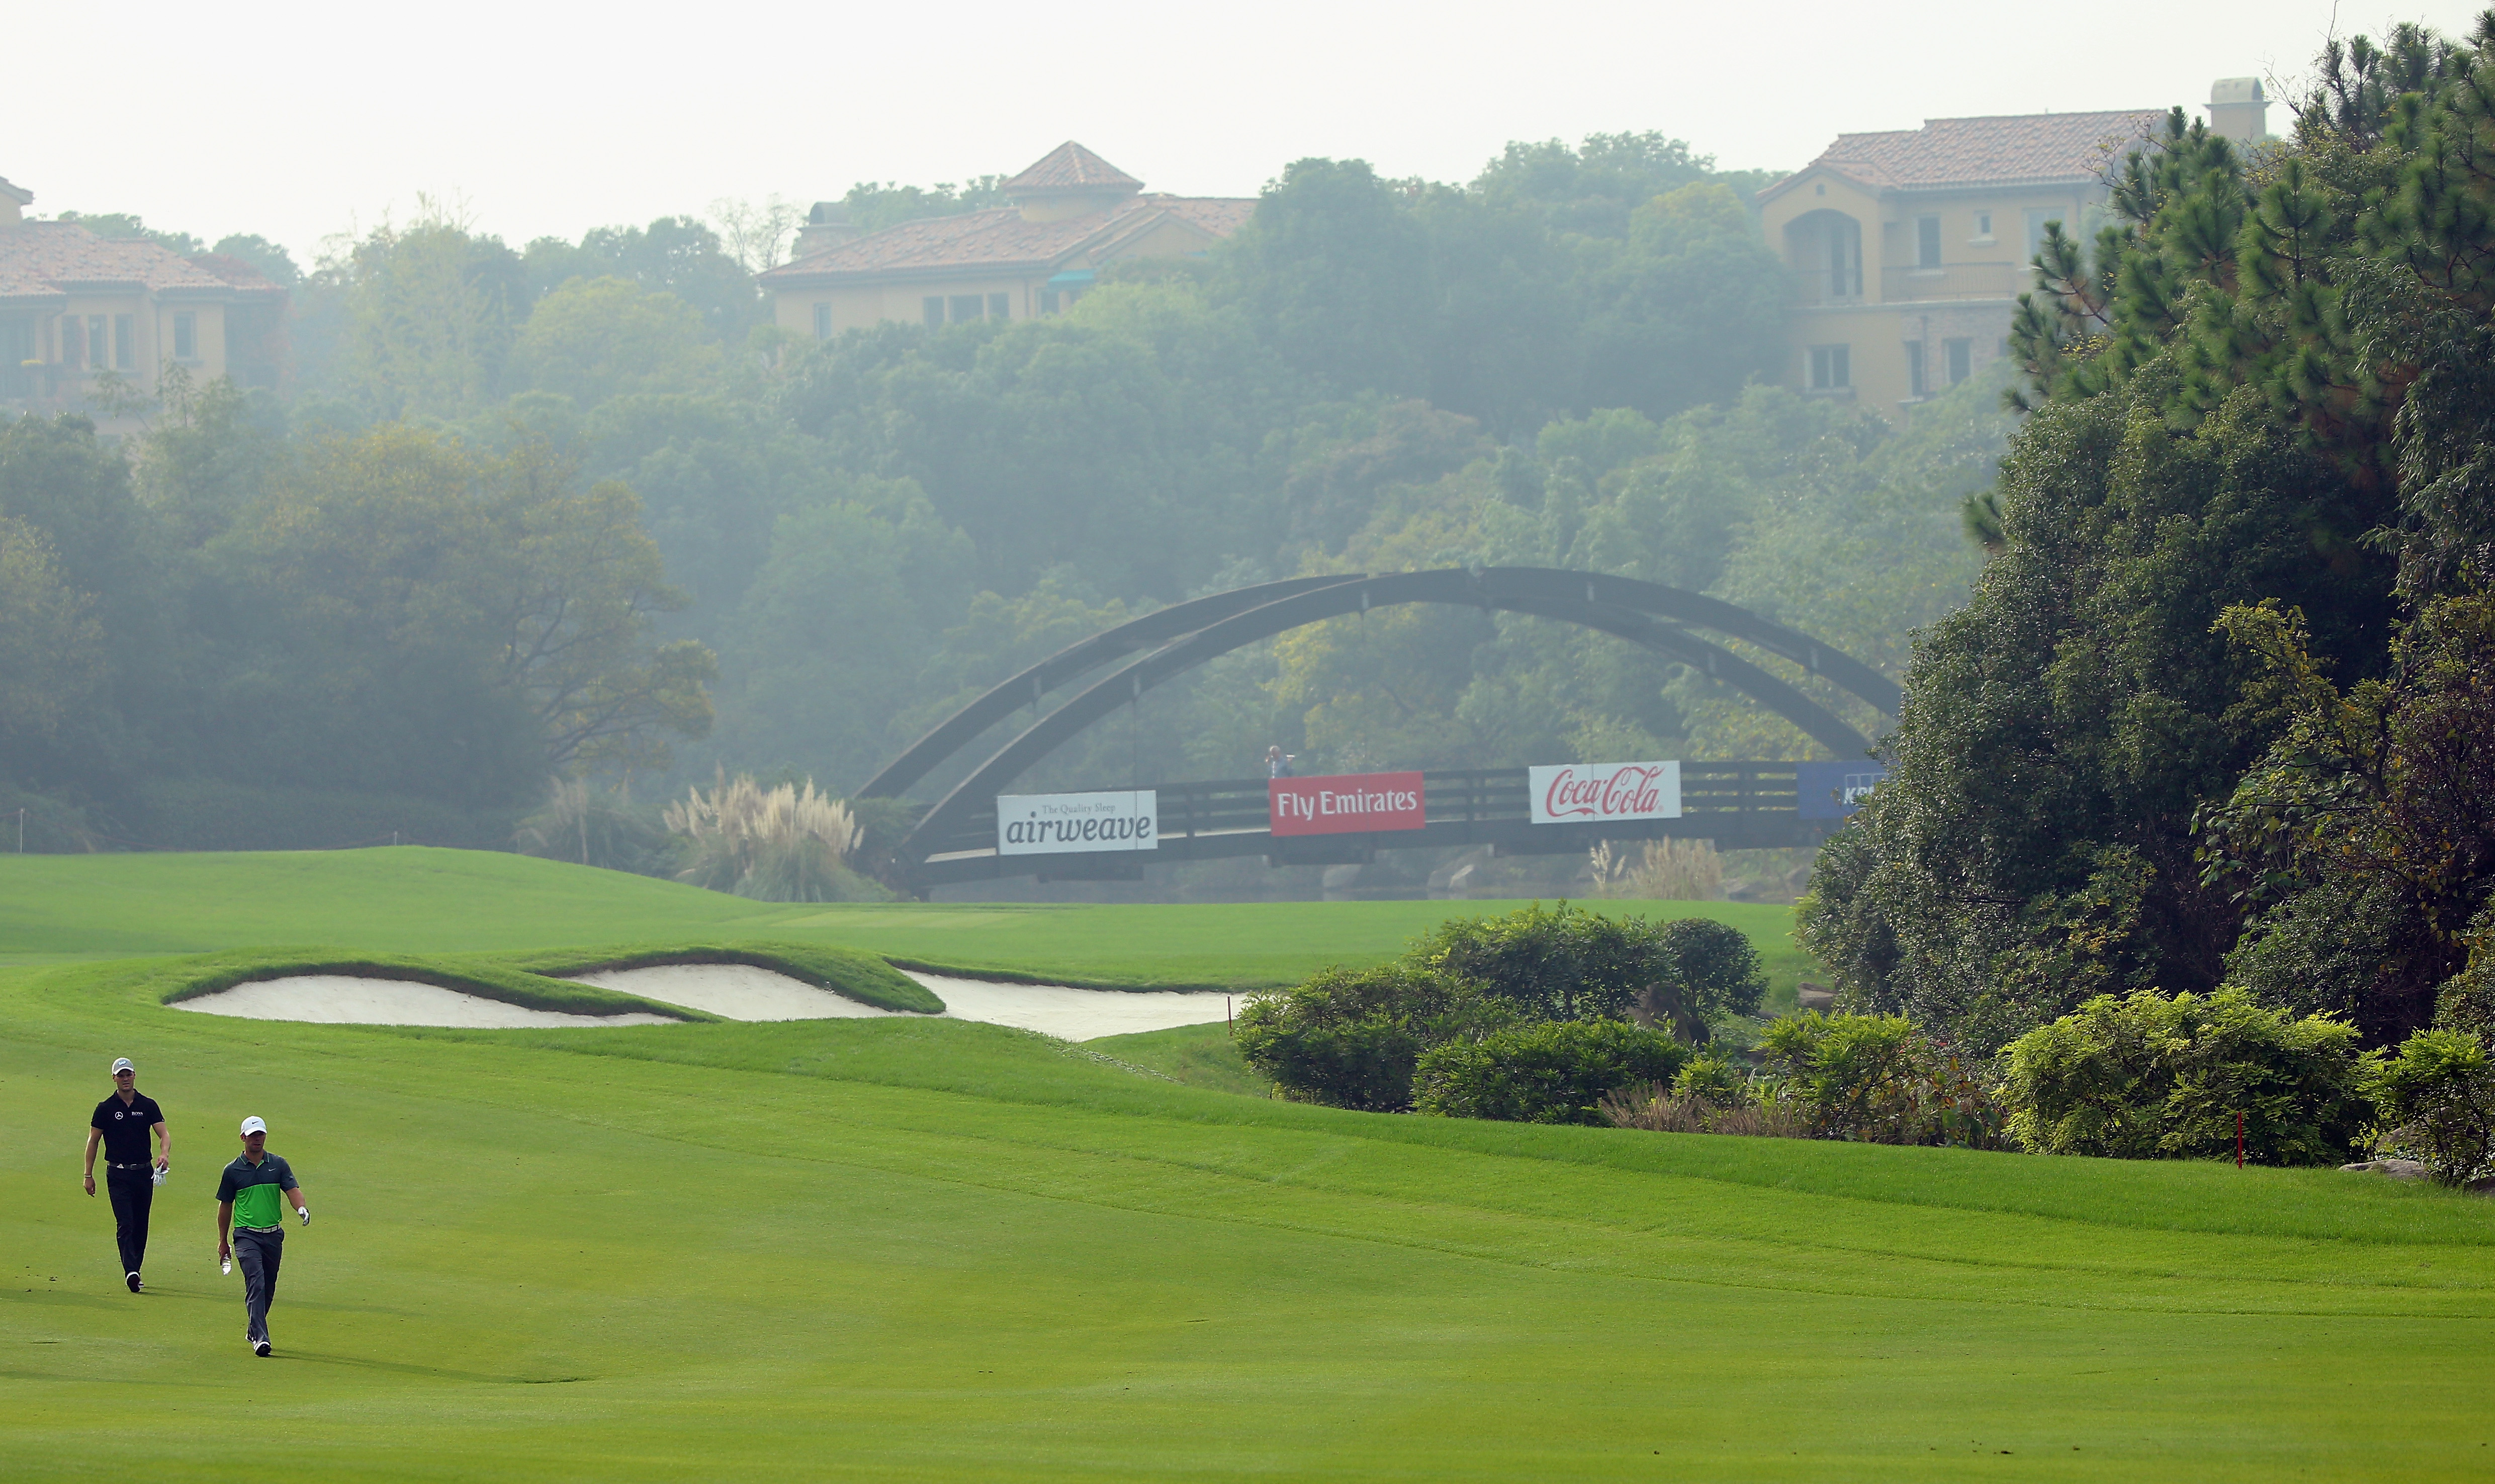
(1715, 1078)
(1566, 963)
(1549, 1071)
(1879, 1080)
(2147, 1077)
(2436, 1097)
(1351, 1038)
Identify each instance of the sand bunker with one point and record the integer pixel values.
(734, 991)
(347, 999)
(742, 993)
(1075, 1014)
(737, 991)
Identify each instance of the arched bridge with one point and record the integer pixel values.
(1736, 803)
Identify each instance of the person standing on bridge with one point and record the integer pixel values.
(1277, 763)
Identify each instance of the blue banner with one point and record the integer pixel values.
(1834, 790)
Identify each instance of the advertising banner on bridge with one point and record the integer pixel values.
(1056, 823)
(1597, 793)
(1834, 790)
(1355, 804)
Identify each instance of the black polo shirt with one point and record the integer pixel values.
(125, 1128)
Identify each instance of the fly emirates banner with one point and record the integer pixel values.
(1591, 794)
(1353, 804)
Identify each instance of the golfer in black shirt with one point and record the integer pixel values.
(124, 1123)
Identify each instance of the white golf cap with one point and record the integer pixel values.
(253, 1125)
(120, 1065)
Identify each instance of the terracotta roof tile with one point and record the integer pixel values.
(1070, 166)
(999, 238)
(46, 260)
(236, 273)
(2007, 149)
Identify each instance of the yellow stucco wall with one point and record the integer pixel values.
(1967, 301)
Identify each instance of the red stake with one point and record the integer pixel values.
(2240, 1139)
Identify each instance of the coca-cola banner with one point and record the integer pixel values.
(1344, 806)
(1592, 792)
(1054, 824)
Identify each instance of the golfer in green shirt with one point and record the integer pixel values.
(250, 1212)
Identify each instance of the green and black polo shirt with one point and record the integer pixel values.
(254, 1190)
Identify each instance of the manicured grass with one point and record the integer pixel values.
(1197, 1055)
(919, 1249)
(931, 1250)
(423, 901)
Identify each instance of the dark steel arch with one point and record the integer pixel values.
(1002, 700)
(1643, 613)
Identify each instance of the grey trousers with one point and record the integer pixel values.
(257, 1253)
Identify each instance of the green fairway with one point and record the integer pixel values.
(897, 1250)
(414, 900)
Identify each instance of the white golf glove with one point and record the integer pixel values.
(161, 1172)
(306, 1213)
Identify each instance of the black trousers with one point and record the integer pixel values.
(257, 1253)
(133, 1193)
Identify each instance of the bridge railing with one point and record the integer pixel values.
(1737, 804)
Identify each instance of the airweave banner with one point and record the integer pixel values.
(1355, 802)
(1593, 793)
(1052, 824)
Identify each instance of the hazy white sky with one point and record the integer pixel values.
(298, 121)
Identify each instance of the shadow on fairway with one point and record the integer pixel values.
(444, 1373)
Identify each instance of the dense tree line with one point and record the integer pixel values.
(1547, 364)
(2217, 709)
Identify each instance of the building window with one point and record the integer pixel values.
(823, 322)
(1960, 355)
(2036, 221)
(1983, 226)
(1831, 368)
(96, 331)
(186, 337)
(125, 339)
(967, 305)
(1915, 368)
(1927, 242)
(932, 307)
(1048, 301)
(1000, 306)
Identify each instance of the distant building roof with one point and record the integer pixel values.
(1004, 239)
(52, 260)
(18, 193)
(1001, 238)
(1070, 166)
(2013, 149)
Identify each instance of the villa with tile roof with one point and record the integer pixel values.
(75, 306)
(1070, 215)
(1909, 248)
